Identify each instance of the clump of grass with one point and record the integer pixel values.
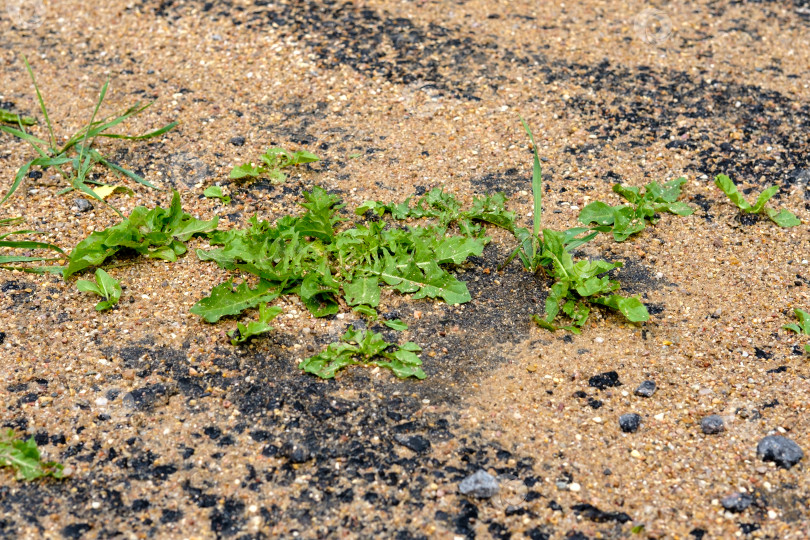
(74, 159)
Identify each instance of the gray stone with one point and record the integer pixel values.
(646, 389)
(712, 424)
(481, 484)
(629, 422)
(737, 502)
(82, 205)
(781, 450)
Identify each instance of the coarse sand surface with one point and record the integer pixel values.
(169, 431)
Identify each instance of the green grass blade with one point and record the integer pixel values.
(27, 244)
(94, 130)
(92, 118)
(41, 103)
(6, 235)
(36, 269)
(156, 133)
(537, 182)
(48, 161)
(129, 174)
(5, 259)
(18, 178)
(23, 135)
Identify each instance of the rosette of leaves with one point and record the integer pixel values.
(157, 233)
(628, 219)
(325, 264)
(578, 284)
(272, 163)
(783, 218)
(364, 347)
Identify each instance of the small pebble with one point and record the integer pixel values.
(481, 484)
(712, 424)
(737, 502)
(646, 389)
(237, 141)
(781, 450)
(81, 205)
(630, 422)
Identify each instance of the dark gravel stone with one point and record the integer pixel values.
(2, 337)
(712, 424)
(481, 484)
(645, 389)
(603, 380)
(781, 450)
(737, 502)
(237, 141)
(296, 452)
(139, 505)
(81, 205)
(589, 511)
(417, 443)
(75, 530)
(630, 422)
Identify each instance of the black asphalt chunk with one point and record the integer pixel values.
(592, 513)
(605, 380)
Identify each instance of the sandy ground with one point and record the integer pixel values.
(171, 432)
